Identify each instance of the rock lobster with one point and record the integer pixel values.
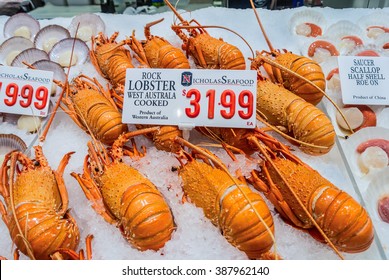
(300, 193)
(36, 212)
(157, 51)
(207, 51)
(92, 108)
(241, 214)
(124, 197)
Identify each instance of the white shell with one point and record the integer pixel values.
(354, 157)
(381, 41)
(366, 50)
(320, 54)
(378, 188)
(377, 18)
(11, 47)
(49, 35)
(29, 56)
(30, 124)
(61, 52)
(21, 25)
(343, 28)
(10, 142)
(333, 83)
(59, 74)
(89, 25)
(299, 18)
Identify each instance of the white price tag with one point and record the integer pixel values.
(25, 91)
(191, 97)
(364, 80)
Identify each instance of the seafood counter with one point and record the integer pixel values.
(200, 205)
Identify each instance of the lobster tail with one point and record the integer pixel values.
(343, 219)
(44, 230)
(239, 223)
(146, 219)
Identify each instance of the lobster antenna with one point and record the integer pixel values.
(283, 134)
(254, 140)
(42, 138)
(223, 167)
(174, 11)
(261, 26)
(283, 68)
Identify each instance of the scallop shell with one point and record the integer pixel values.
(377, 18)
(59, 74)
(377, 189)
(354, 157)
(320, 49)
(49, 35)
(29, 56)
(11, 47)
(21, 25)
(89, 25)
(343, 28)
(61, 52)
(382, 42)
(331, 72)
(10, 142)
(301, 18)
(383, 118)
(366, 50)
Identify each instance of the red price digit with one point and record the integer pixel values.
(211, 103)
(11, 91)
(194, 102)
(245, 100)
(26, 92)
(41, 95)
(227, 100)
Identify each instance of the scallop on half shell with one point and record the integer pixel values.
(13, 46)
(368, 151)
(375, 24)
(29, 56)
(86, 26)
(65, 55)
(376, 199)
(308, 23)
(22, 25)
(49, 35)
(10, 142)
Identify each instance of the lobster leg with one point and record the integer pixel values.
(93, 193)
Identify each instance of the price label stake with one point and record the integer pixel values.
(194, 97)
(25, 91)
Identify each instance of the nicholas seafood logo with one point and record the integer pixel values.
(186, 79)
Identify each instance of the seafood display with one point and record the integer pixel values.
(170, 198)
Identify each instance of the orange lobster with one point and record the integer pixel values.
(36, 212)
(241, 214)
(300, 193)
(124, 197)
(207, 52)
(91, 107)
(158, 52)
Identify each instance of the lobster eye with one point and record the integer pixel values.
(174, 168)
(96, 169)
(36, 163)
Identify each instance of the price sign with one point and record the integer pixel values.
(364, 80)
(25, 91)
(192, 97)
